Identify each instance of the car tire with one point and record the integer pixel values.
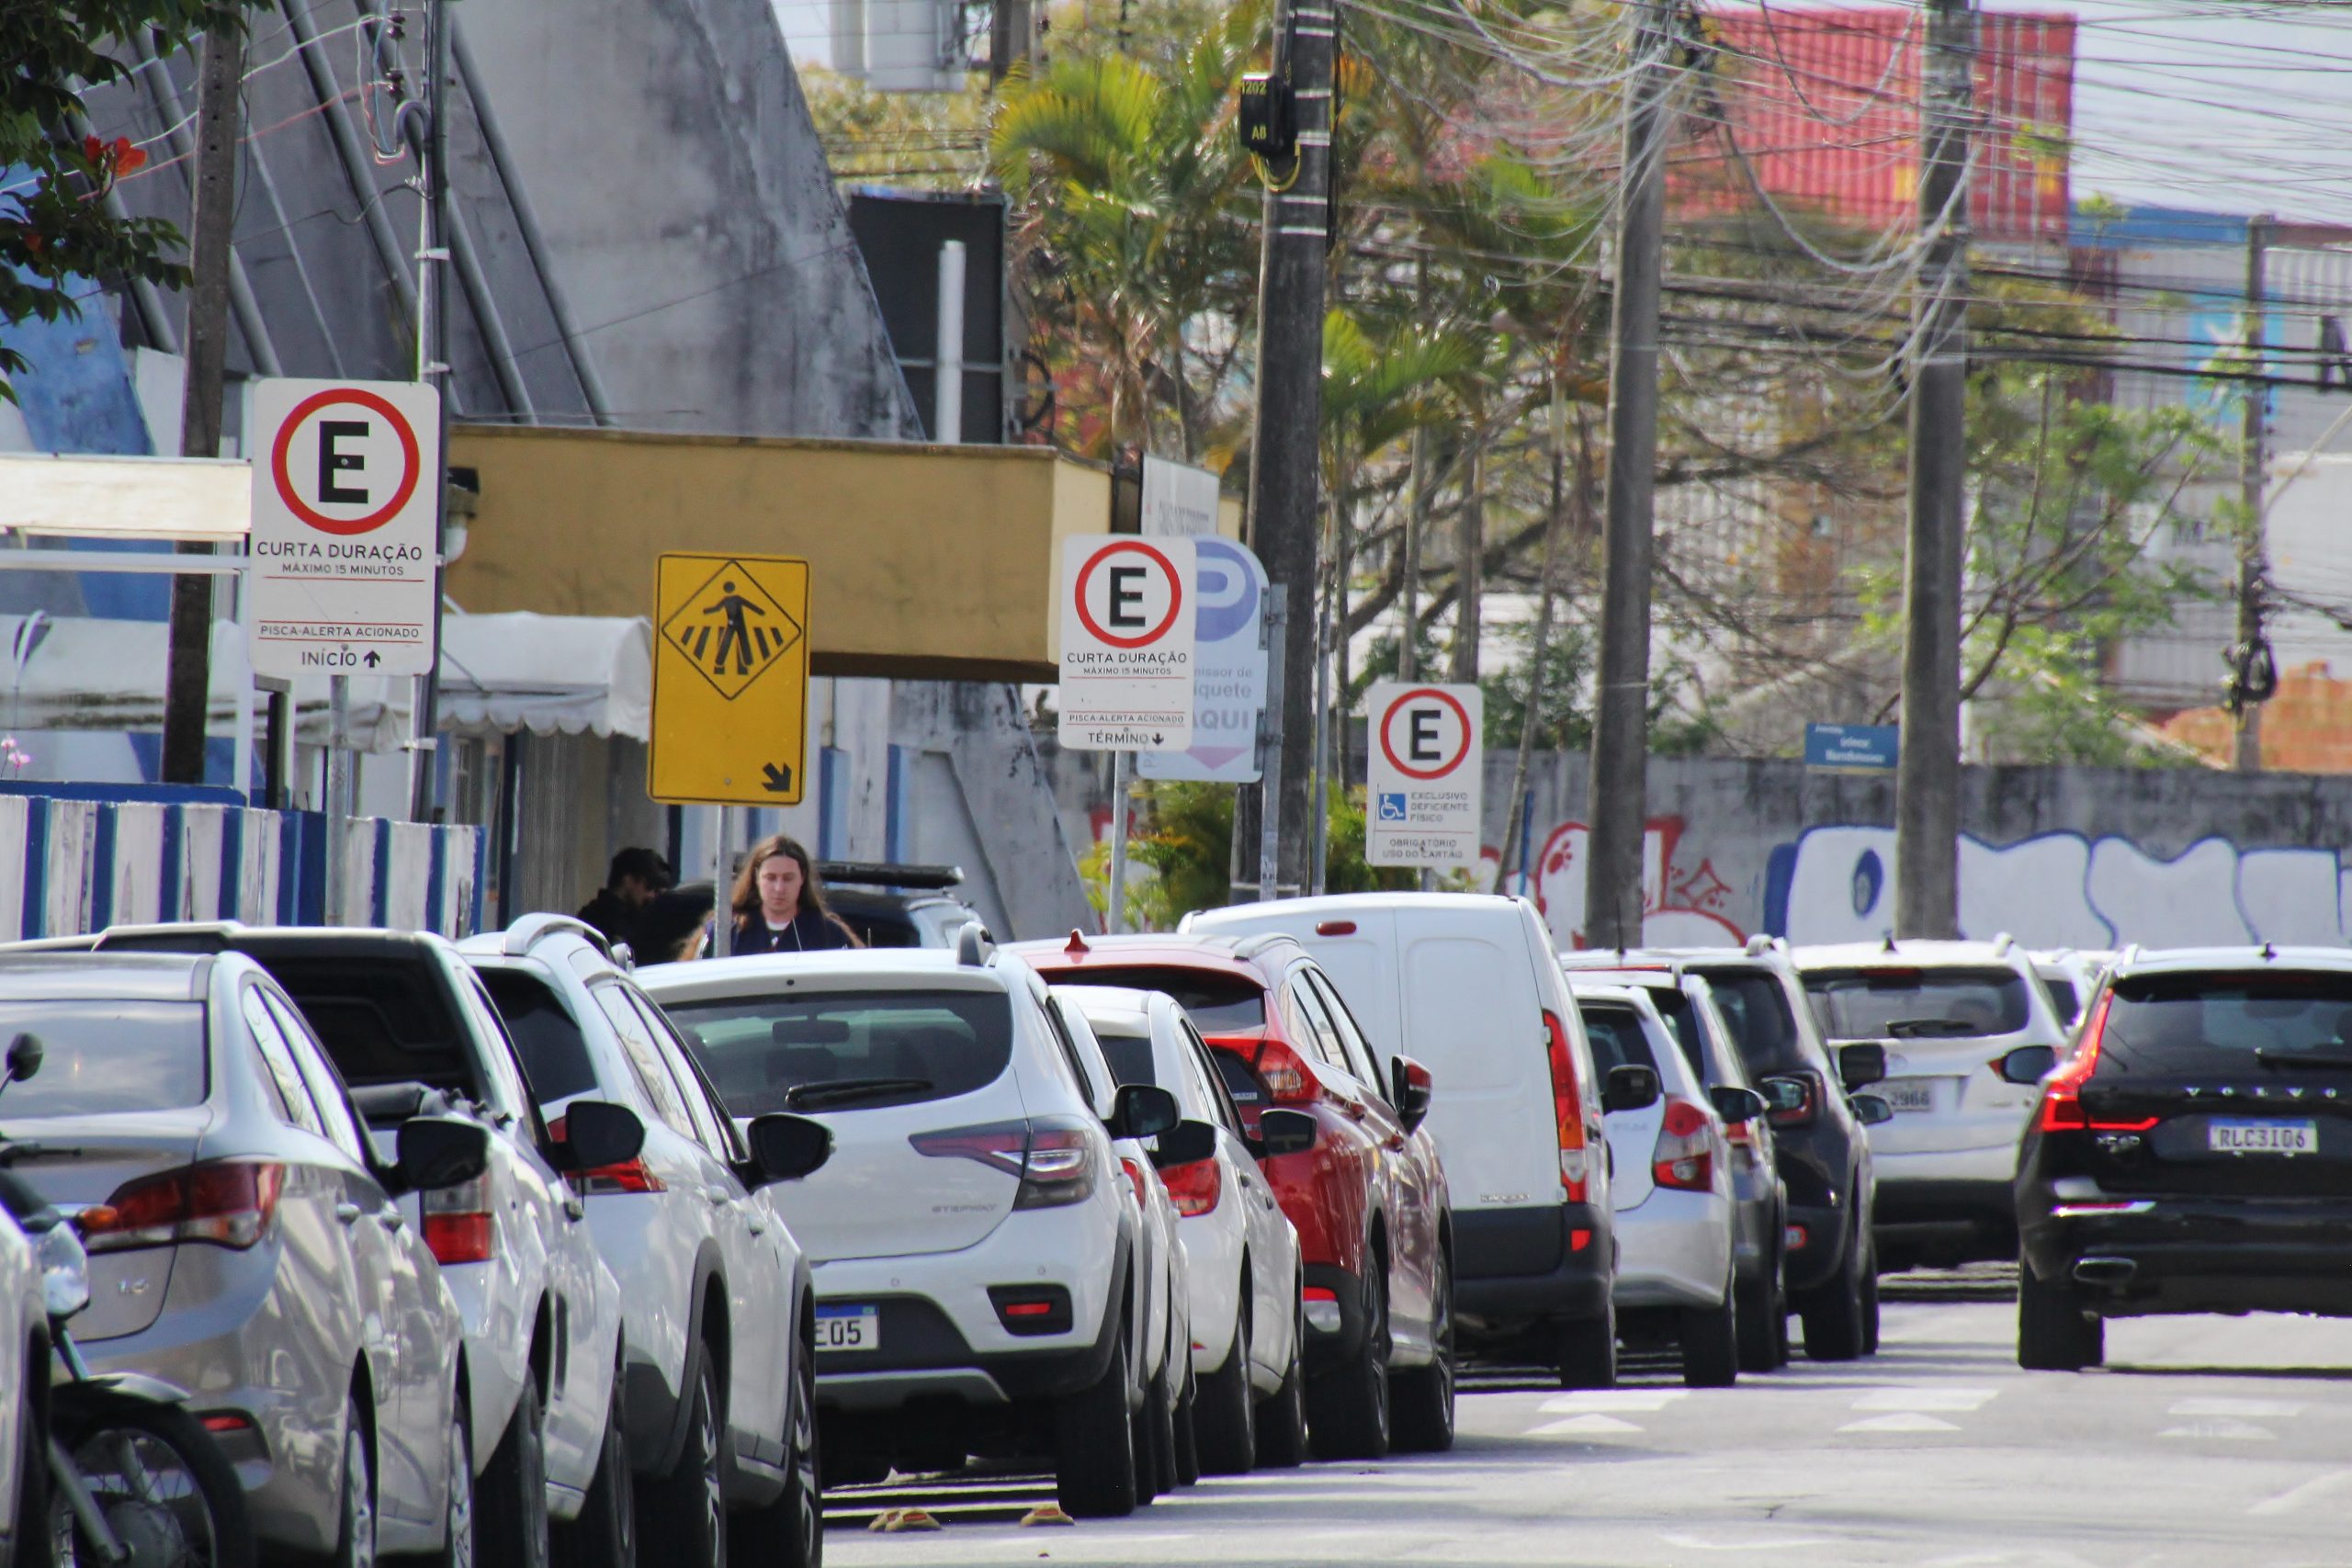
(1870, 1302)
(512, 1502)
(2054, 1333)
(1282, 1418)
(1836, 1328)
(686, 1509)
(31, 1523)
(605, 1535)
(788, 1532)
(1763, 1311)
(1422, 1398)
(1711, 1342)
(1188, 1452)
(1586, 1352)
(1094, 1459)
(1155, 1442)
(1224, 1419)
(459, 1545)
(1346, 1406)
(354, 1533)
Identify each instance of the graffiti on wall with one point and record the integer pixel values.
(1684, 903)
(2066, 890)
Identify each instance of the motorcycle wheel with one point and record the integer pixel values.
(163, 1487)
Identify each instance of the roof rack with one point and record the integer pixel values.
(886, 873)
(176, 936)
(1250, 946)
(974, 946)
(524, 933)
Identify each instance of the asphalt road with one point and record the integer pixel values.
(2205, 1441)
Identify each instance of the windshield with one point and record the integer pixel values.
(555, 1056)
(1916, 1004)
(1617, 1037)
(2188, 1023)
(105, 1058)
(1220, 1004)
(1756, 1008)
(873, 1048)
(1129, 1051)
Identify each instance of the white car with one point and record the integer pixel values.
(1944, 1013)
(24, 1372)
(2069, 975)
(976, 1254)
(1246, 1286)
(1672, 1188)
(716, 1302)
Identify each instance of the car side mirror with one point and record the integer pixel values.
(1736, 1104)
(597, 1132)
(1410, 1083)
(1144, 1111)
(1629, 1087)
(1872, 1108)
(2027, 1065)
(441, 1151)
(1187, 1142)
(1787, 1096)
(1859, 1066)
(1283, 1132)
(787, 1147)
(26, 1054)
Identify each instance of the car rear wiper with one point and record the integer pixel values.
(2288, 1056)
(841, 1091)
(1928, 1028)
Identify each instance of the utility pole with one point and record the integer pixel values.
(1927, 777)
(433, 365)
(188, 679)
(1618, 785)
(2253, 676)
(1009, 36)
(1469, 571)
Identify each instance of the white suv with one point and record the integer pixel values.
(974, 1249)
(24, 1371)
(720, 1312)
(1945, 1013)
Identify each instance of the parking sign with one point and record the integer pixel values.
(1424, 765)
(1128, 607)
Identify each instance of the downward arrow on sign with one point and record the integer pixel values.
(778, 779)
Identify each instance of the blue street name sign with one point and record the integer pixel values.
(1852, 747)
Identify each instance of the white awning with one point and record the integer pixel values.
(546, 673)
(126, 498)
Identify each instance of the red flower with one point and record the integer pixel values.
(94, 149)
(127, 159)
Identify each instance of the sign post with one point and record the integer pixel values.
(1425, 762)
(731, 681)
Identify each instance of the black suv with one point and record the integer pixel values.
(897, 906)
(2193, 1152)
(1830, 1267)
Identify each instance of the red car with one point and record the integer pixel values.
(1369, 1199)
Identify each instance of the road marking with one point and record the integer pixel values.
(1577, 1425)
(2221, 1427)
(1741, 1543)
(1645, 1399)
(1902, 1421)
(2239, 1407)
(2310, 1490)
(1915, 1398)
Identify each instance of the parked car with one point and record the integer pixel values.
(1759, 1197)
(2194, 1154)
(24, 1371)
(2068, 976)
(888, 904)
(1944, 1013)
(1368, 1197)
(410, 1028)
(1243, 1276)
(717, 1305)
(1818, 1131)
(245, 1242)
(1676, 1220)
(975, 1252)
(1469, 987)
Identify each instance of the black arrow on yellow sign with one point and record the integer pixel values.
(778, 779)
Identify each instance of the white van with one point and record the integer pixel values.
(1466, 985)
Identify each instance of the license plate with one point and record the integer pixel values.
(2263, 1137)
(849, 1328)
(1906, 1094)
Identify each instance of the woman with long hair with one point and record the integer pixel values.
(779, 905)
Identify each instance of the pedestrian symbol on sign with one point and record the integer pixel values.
(731, 630)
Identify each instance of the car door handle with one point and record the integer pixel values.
(715, 1195)
(573, 1209)
(756, 1225)
(1355, 1108)
(392, 1216)
(348, 1213)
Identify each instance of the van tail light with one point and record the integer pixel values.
(2062, 1103)
(1802, 1113)
(458, 1224)
(629, 1175)
(220, 1204)
(1568, 1109)
(1684, 1158)
(1052, 1157)
(1194, 1189)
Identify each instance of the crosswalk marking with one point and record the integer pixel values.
(1925, 1399)
(2238, 1407)
(2223, 1426)
(1636, 1399)
(1583, 1426)
(1900, 1421)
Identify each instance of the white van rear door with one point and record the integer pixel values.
(1472, 1017)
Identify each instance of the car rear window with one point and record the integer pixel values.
(554, 1053)
(1128, 1051)
(2064, 1000)
(876, 1048)
(1617, 1037)
(381, 1020)
(1220, 1004)
(1756, 1009)
(107, 1056)
(1916, 1004)
(2227, 1021)
(1682, 1017)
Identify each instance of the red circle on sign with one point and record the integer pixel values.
(1175, 594)
(345, 526)
(1450, 700)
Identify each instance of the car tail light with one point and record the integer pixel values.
(1684, 1158)
(1335, 928)
(1796, 1237)
(1194, 1189)
(629, 1175)
(1802, 1112)
(1135, 1179)
(2062, 1102)
(1322, 1309)
(223, 1422)
(1568, 1109)
(458, 1224)
(1283, 1073)
(222, 1203)
(1053, 1159)
(1579, 1240)
(1030, 1309)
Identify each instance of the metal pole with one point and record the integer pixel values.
(1619, 782)
(433, 364)
(2253, 567)
(1276, 617)
(722, 918)
(1926, 778)
(1318, 827)
(947, 374)
(338, 793)
(1114, 896)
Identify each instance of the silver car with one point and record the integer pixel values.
(24, 1372)
(246, 1242)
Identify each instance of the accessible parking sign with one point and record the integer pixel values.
(1424, 772)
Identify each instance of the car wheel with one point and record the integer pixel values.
(458, 1539)
(1154, 1441)
(1224, 1423)
(1711, 1342)
(1832, 1312)
(1282, 1418)
(2054, 1333)
(1094, 1461)
(30, 1525)
(790, 1532)
(685, 1509)
(1762, 1311)
(355, 1536)
(1423, 1396)
(1188, 1452)
(1870, 1302)
(1587, 1351)
(1347, 1406)
(513, 1493)
(605, 1535)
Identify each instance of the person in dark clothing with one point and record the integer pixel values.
(780, 905)
(673, 925)
(637, 875)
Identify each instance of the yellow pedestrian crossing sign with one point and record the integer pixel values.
(731, 679)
